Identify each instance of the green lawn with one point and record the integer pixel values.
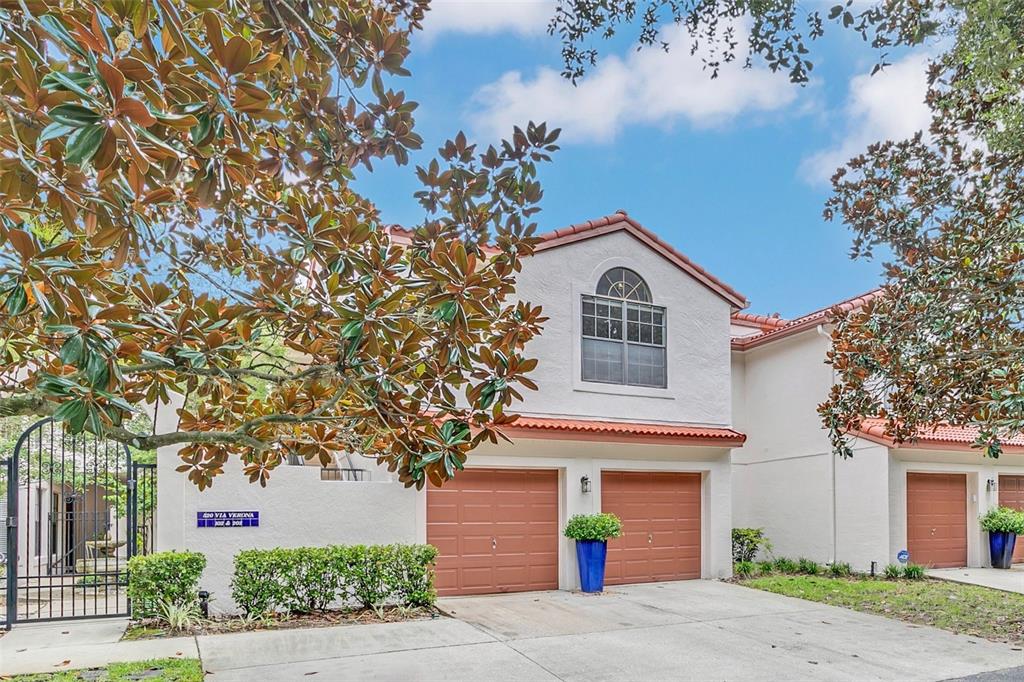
(159, 670)
(966, 609)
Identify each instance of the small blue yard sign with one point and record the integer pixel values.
(903, 556)
(227, 519)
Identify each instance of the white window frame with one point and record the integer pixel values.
(624, 342)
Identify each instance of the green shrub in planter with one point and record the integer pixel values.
(746, 542)
(784, 565)
(808, 567)
(840, 569)
(743, 569)
(161, 579)
(593, 527)
(766, 567)
(1003, 520)
(913, 572)
(893, 571)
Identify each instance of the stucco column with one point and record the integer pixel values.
(170, 484)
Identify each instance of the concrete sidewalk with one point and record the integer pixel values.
(1005, 579)
(71, 644)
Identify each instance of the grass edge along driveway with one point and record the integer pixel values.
(963, 609)
(170, 670)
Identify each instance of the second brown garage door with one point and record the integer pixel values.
(1011, 494)
(496, 530)
(660, 514)
(937, 519)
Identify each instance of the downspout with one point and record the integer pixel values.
(832, 460)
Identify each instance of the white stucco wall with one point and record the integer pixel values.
(697, 350)
(296, 509)
(786, 478)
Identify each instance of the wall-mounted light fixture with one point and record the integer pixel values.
(584, 484)
(990, 485)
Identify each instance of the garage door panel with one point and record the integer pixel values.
(661, 525)
(506, 534)
(937, 519)
(1011, 494)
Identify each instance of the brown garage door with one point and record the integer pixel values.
(496, 531)
(937, 519)
(1011, 494)
(660, 514)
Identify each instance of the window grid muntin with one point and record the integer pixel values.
(648, 316)
(624, 284)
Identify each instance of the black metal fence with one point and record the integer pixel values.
(77, 509)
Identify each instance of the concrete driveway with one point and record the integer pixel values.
(1007, 580)
(694, 630)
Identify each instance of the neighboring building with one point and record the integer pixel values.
(650, 380)
(924, 497)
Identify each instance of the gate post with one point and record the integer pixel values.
(12, 541)
(132, 501)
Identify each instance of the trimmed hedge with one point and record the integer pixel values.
(163, 578)
(307, 579)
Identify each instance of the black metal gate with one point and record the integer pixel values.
(77, 509)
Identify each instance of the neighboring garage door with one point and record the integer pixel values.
(937, 519)
(660, 514)
(1011, 494)
(496, 531)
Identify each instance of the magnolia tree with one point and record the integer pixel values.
(177, 215)
(945, 341)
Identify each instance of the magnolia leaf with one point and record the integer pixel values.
(71, 350)
(55, 130)
(16, 300)
(83, 143)
(237, 54)
(23, 243)
(74, 115)
(77, 82)
(136, 111)
(74, 412)
(53, 26)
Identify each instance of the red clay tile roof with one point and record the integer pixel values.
(620, 221)
(942, 437)
(613, 223)
(800, 324)
(585, 429)
(765, 323)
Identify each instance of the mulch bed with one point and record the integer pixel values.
(151, 629)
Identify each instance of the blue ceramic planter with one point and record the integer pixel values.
(590, 556)
(1000, 545)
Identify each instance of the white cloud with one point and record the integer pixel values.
(649, 86)
(887, 106)
(522, 17)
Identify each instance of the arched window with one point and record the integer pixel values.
(623, 333)
(624, 284)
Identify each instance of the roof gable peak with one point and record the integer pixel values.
(621, 221)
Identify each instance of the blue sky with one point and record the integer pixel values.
(733, 172)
